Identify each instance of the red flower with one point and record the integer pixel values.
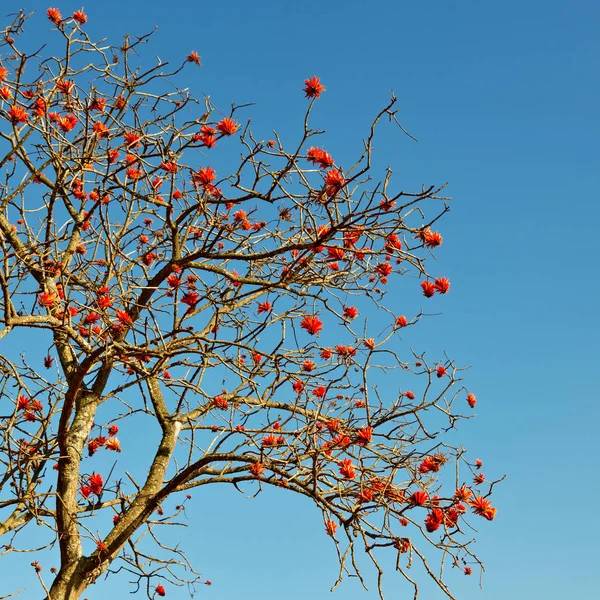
(428, 288)
(369, 343)
(462, 494)
(264, 307)
(364, 436)
(471, 400)
(320, 157)
(85, 491)
(392, 242)
(104, 302)
(308, 366)
(98, 104)
(434, 519)
(96, 483)
(419, 498)
(346, 469)
(205, 177)
(54, 15)
(113, 430)
(330, 527)
(432, 463)
(468, 570)
(334, 182)
(319, 392)
(403, 521)
(298, 387)
(124, 318)
(22, 403)
(312, 324)
(478, 463)
(16, 114)
(441, 371)
(116, 519)
(432, 238)
(384, 269)
(220, 403)
(113, 444)
(257, 469)
(326, 353)
(47, 299)
(442, 285)
(100, 129)
(5, 93)
(479, 478)
(313, 87)
(401, 321)
(350, 312)
(193, 57)
(191, 299)
(227, 126)
(483, 507)
(80, 17)
(160, 590)
(48, 360)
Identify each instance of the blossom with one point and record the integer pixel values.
(220, 403)
(441, 371)
(98, 104)
(428, 288)
(205, 177)
(257, 469)
(479, 478)
(364, 436)
(401, 321)
(113, 444)
(96, 483)
(191, 299)
(319, 392)
(80, 17)
(434, 519)
(483, 507)
(346, 469)
(326, 353)
(330, 527)
(104, 301)
(124, 318)
(298, 387)
(308, 366)
(478, 463)
(432, 463)
(193, 57)
(100, 129)
(384, 269)
(5, 93)
(16, 114)
(432, 239)
(313, 87)
(463, 494)
(65, 86)
(132, 139)
(22, 402)
(403, 521)
(227, 126)
(160, 590)
(334, 182)
(47, 299)
(369, 343)
(48, 360)
(471, 400)
(392, 242)
(113, 430)
(468, 570)
(312, 324)
(419, 498)
(264, 307)
(320, 157)
(54, 15)
(442, 285)
(350, 312)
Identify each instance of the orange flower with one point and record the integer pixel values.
(364, 436)
(67, 123)
(369, 343)
(65, 86)
(483, 507)
(220, 403)
(205, 177)
(124, 318)
(428, 288)
(462, 494)
(471, 400)
(434, 519)
(113, 444)
(54, 15)
(432, 238)
(80, 17)
(320, 157)
(264, 307)
(410, 395)
(401, 321)
(5, 93)
(441, 371)
(113, 430)
(319, 392)
(479, 478)
(16, 114)
(334, 182)
(313, 87)
(100, 129)
(384, 269)
(227, 126)
(419, 498)
(169, 167)
(326, 353)
(193, 57)
(350, 312)
(346, 469)
(330, 527)
(392, 242)
(442, 285)
(312, 324)
(298, 387)
(257, 469)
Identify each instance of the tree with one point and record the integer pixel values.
(228, 313)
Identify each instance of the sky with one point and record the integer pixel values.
(502, 98)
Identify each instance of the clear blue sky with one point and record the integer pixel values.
(503, 98)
